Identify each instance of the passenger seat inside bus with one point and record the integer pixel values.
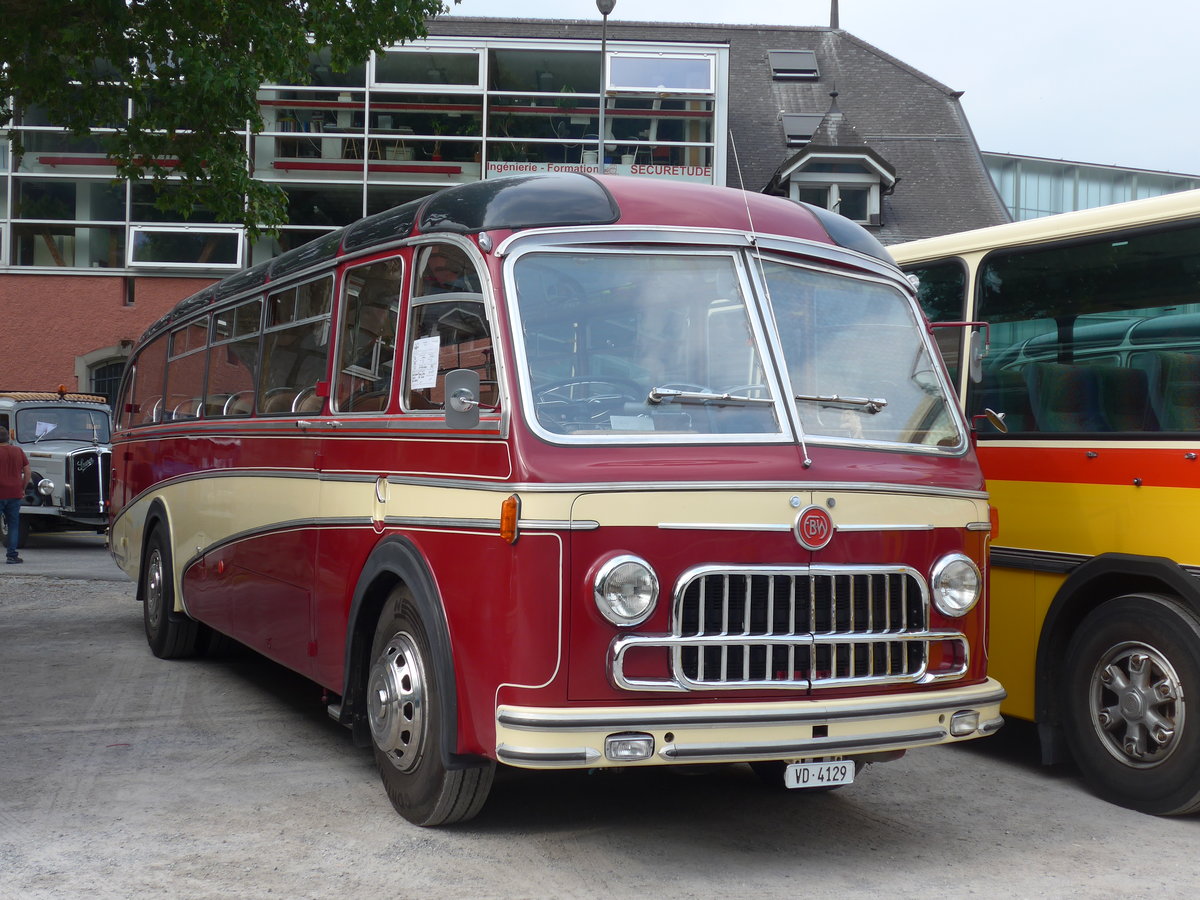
(1174, 386)
(1064, 398)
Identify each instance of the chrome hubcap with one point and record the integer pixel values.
(154, 588)
(396, 702)
(1137, 704)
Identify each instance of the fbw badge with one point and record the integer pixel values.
(813, 528)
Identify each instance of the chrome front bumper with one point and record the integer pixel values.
(565, 738)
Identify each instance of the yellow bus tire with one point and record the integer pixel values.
(1131, 703)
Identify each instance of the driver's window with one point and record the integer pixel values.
(447, 329)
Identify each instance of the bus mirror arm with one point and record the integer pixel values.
(462, 398)
(995, 419)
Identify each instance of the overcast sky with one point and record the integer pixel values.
(1106, 83)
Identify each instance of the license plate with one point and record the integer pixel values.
(818, 774)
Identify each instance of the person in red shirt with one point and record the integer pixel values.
(14, 475)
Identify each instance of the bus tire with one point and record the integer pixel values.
(405, 716)
(171, 635)
(1132, 703)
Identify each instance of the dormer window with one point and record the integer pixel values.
(793, 65)
(850, 184)
(798, 128)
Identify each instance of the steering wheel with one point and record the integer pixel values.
(558, 405)
(626, 389)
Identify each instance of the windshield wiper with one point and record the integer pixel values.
(866, 404)
(658, 395)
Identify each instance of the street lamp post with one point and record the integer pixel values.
(605, 7)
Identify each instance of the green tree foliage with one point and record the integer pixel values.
(177, 79)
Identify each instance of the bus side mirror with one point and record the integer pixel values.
(977, 348)
(995, 419)
(462, 398)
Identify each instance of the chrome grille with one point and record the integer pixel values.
(87, 481)
(793, 628)
(796, 627)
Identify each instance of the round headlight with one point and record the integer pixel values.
(956, 585)
(45, 487)
(625, 589)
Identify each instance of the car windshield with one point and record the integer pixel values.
(857, 363)
(52, 423)
(634, 344)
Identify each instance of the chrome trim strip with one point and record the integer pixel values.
(680, 683)
(884, 527)
(490, 524)
(559, 524)
(576, 756)
(580, 487)
(1054, 562)
(1036, 560)
(814, 747)
(979, 526)
(438, 522)
(722, 526)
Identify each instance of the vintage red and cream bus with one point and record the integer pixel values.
(1094, 359)
(561, 471)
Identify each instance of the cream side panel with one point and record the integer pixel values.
(777, 509)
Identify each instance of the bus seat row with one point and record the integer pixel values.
(1160, 391)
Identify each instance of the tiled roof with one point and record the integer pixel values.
(909, 119)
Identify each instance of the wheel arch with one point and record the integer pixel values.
(156, 516)
(397, 561)
(1100, 579)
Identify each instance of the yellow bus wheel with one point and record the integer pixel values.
(1131, 669)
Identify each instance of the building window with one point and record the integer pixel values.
(183, 246)
(799, 128)
(800, 65)
(106, 378)
(660, 73)
(851, 202)
(437, 69)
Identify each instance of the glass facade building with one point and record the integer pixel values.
(407, 122)
(1033, 187)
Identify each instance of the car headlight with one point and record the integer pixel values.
(956, 585)
(625, 590)
(45, 487)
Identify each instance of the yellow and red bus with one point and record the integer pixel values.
(561, 471)
(1093, 325)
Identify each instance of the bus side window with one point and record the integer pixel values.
(144, 405)
(367, 343)
(295, 347)
(448, 329)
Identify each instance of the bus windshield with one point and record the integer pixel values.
(639, 344)
(46, 423)
(858, 366)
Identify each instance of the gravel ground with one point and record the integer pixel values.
(127, 776)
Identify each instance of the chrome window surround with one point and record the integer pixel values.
(815, 255)
(815, 627)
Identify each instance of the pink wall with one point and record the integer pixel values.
(46, 321)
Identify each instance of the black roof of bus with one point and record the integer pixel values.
(510, 203)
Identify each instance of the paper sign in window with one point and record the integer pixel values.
(424, 363)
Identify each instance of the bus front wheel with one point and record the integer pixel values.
(171, 635)
(406, 724)
(1132, 703)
